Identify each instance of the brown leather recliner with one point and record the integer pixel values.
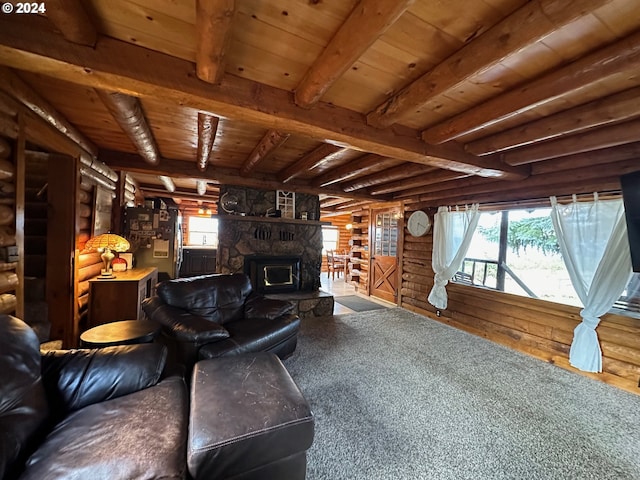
(219, 315)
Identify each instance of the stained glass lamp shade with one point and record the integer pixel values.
(107, 243)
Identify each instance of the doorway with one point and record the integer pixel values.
(384, 254)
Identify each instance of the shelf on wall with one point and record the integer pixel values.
(247, 218)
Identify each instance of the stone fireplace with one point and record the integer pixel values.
(280, 255)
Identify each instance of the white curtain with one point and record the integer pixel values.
(452, 233)
(595, 248)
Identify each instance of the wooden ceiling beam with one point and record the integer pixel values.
(207, 129)
(213, 31)
(271, 141)
(353, 168)
(389, 175)
(417, 181)
(559, 180)
(556, 165)
(529, 198)
(222, 176)
(333, 201)
(323, 153)
(71, 18)
(368, 20)
(17, 88)
(588, 159)
(350, 204)
(612, 109)
(619, 134)
(622, 57)
(526, 26)
(461, 182)
(30, 44)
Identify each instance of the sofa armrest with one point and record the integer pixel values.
(182, 325)
(258, 306)
(76, 378)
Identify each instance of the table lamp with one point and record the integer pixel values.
(107, 243)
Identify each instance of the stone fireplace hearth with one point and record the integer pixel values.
(247, 234)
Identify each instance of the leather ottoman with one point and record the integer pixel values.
(248, 420)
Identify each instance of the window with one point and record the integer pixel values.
(286, 203)
(330, 237)
(203, 231)
(527, 262)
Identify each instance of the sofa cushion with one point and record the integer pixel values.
(218, 298)
(140, 435)
(23, 403)
(76, 378)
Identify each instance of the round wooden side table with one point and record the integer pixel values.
(124, 332)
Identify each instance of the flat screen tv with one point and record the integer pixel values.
(631, 196)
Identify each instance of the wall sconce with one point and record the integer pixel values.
(348, 226)
(105, 243)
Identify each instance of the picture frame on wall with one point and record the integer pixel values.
(101, 211)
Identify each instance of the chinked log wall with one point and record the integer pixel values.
(536, 327)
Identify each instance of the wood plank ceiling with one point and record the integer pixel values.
(425, 101)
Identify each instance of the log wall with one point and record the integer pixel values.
(9, 279)
(535, 327)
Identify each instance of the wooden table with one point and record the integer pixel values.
(125, 332)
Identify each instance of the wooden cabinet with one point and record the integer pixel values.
(198, 261)
(120, 298)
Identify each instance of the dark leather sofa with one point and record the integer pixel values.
(113, 414)
(218, 315)
(88, 413)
